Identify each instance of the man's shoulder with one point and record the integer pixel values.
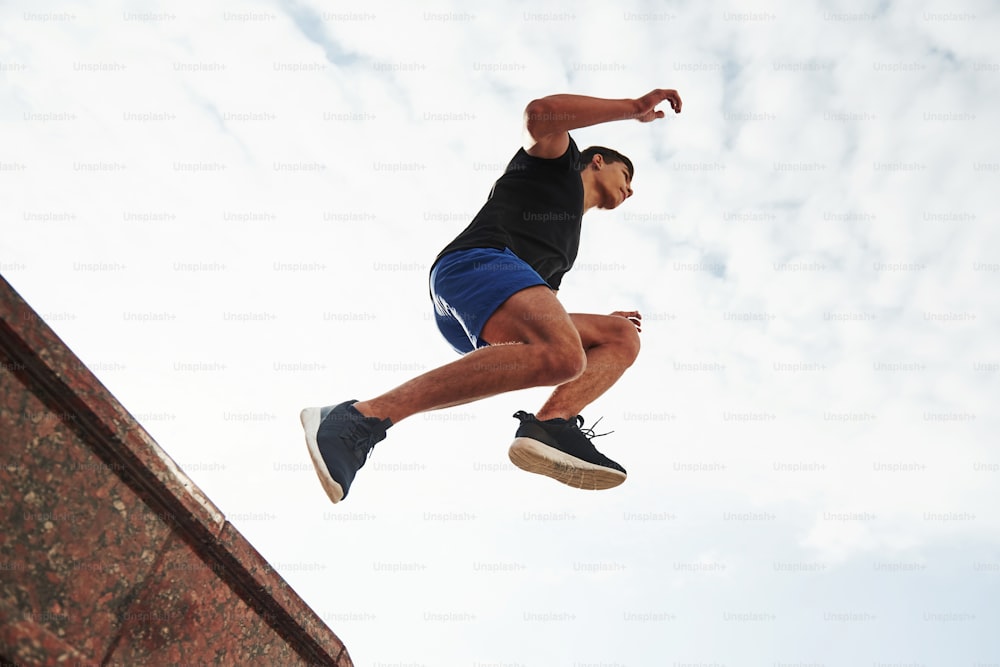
(523, 160)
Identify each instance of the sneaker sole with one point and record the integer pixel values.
(310, 418)
(537, 457)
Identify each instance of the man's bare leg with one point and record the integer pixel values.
(547, 445)
(544, 346)
(611, 344)
(547, 351)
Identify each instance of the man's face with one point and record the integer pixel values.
(615, 182)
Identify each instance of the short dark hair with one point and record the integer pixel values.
(609, 155)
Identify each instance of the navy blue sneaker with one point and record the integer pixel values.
(562, 449)
(340, 439)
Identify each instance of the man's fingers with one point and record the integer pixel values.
(674, 98)
(653, 98)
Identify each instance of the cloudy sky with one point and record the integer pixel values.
(229, 215)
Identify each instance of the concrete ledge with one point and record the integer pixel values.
(110, 554)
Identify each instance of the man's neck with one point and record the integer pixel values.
(589, 193)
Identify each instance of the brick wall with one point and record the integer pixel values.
(109, 554)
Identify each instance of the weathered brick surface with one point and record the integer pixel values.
(109, 554)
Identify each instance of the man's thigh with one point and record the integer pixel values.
(532, 315)
(602, 329)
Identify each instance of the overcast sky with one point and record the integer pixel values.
(229, 215)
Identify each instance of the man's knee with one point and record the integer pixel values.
(563, 362)
(625, 334)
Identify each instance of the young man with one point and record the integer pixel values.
(494, 294)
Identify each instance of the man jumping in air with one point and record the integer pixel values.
(494, 295)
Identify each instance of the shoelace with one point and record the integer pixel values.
(362, 439)
(589, 432)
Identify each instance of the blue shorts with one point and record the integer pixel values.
(467, 287)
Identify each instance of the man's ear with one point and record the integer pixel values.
(598, 161)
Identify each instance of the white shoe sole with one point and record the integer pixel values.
(310, 418)
(537, 457)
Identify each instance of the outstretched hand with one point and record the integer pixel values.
(632, 316)
(647, 104)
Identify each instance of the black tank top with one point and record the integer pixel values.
(534, 209)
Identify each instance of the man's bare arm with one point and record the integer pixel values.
(548, 120)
